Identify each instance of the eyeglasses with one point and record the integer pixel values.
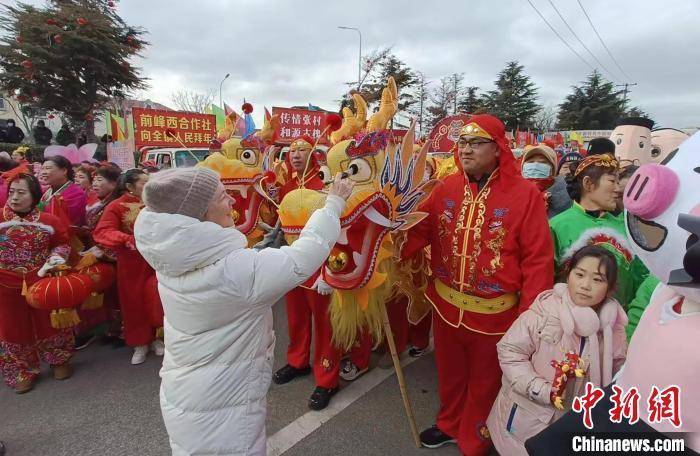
(474, 144)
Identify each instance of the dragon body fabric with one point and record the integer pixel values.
(389, 186)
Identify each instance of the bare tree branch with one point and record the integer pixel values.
(187, 100)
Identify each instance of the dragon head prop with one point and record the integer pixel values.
(389, 186)
(245, 170)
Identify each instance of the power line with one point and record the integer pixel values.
(580, 41)
(559, 36)
(601, 40)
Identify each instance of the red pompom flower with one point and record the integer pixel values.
(27, 64)
(334, 122)
(247, 108)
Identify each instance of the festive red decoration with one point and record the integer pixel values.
(269, 176)
(22, 98)
(51, 22)
(247, 108)
(50, 117)
(60, 291)
(57, 39)
(334, 122)
(81, 21)
(27, 64)
(102, 276)
(572, 366)
(89, 117)
(60, 294)
(19, 39)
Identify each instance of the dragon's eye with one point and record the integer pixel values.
(249, 157)
(325, 174)
(359, 170)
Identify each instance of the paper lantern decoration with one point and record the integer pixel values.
(102, 276)
(60, 294)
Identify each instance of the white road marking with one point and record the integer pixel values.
(297, 430)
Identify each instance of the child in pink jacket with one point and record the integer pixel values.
(578, 316)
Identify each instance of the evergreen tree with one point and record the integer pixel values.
(514, 100)
(594, 105)
(70, 56)
(470, 102)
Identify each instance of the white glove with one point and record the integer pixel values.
(95, 251)
(55, 260)
(322, 287)
(52, 262)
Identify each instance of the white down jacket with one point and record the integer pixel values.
(219, 342)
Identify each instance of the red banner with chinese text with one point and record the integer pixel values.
(193, 129)
(297, 122)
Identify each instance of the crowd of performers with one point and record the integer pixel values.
(515, 265)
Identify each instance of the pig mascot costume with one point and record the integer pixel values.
(663, 221)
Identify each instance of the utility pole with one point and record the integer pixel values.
(626, 85)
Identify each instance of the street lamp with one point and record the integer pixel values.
(221, 103)
(359, 62)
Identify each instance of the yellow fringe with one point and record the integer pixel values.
(349, 316)
(160, 333)
(64, 318)
(94, 301)
(24, 286)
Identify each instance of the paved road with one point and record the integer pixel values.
(111, 408)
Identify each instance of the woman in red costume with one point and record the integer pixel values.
(142, 310)
(64, 198)
(30, 242)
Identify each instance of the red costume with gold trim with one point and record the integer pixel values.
(305, 304)
(142, 310)
(26, 334)
(491, 255)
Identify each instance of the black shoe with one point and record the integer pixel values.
(83, 340)
(415, 352)
(321, 397)
(433, 437)
(289, 373)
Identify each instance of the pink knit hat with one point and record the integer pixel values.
(185, 191)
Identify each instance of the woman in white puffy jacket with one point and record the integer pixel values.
(217, 297)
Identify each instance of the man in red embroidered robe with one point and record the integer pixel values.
(491, 256)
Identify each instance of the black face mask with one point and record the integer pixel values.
(689, 276)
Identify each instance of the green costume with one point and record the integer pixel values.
(639, 303)
(575, 228)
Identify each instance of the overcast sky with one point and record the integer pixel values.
(286, 53)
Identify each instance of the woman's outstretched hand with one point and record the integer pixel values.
(341, 187)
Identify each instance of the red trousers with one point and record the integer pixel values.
(142, 311)
(469, 378)
(303, 306)
(26, 336)
(403, 331)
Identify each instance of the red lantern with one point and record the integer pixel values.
(51, 22)
(101, 274)
(27, 64)
(60, 294)
(81, 21)
(57, 39)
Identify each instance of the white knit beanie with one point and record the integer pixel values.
(185, 191)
